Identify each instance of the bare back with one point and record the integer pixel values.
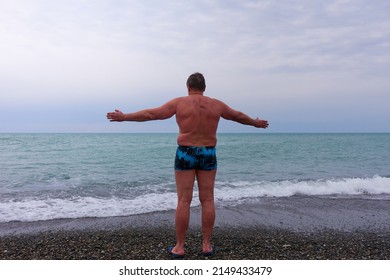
(197, 117)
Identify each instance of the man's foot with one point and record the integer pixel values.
(209, 253)
(174, 255)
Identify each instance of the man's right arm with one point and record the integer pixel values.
(237, 116)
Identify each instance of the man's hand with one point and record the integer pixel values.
(261, 123)
(116, 116)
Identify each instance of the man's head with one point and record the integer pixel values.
(196, 81)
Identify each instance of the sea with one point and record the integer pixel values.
(54, 176)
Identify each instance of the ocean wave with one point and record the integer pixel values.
(48, 209)
(232, 192)
(376, 185)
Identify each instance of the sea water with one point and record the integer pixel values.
(49, 176)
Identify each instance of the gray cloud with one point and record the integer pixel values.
(140, 52)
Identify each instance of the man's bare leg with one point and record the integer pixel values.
(206, 181)
(184, 185)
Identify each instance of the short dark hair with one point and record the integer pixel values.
(196, 81)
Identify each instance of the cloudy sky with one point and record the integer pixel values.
(304, 65)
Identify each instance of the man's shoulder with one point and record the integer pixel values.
(175, 100)
(217, 101)
(212, 99)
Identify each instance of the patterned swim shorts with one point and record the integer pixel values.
(191, 157)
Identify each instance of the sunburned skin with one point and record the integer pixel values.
(197, 117)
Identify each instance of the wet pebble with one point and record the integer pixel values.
(230, 243)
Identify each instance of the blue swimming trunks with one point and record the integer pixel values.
(191, 157)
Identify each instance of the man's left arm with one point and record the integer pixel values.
(160, 113)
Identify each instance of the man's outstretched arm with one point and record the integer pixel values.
(160, 113)
(237, 116)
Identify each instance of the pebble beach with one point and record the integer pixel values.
(230, 243)
(345, 229)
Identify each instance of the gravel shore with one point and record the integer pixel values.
(295, 228)
(230, 243)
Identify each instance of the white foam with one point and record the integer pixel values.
(230, 191)
(32, 209)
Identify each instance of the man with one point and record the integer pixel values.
(197, 117)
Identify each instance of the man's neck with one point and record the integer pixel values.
(195, 92)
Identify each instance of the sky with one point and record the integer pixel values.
(304, 65)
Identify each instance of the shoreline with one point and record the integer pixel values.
(273, 228)
(297, 213)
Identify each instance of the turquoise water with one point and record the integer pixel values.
(47, 176)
